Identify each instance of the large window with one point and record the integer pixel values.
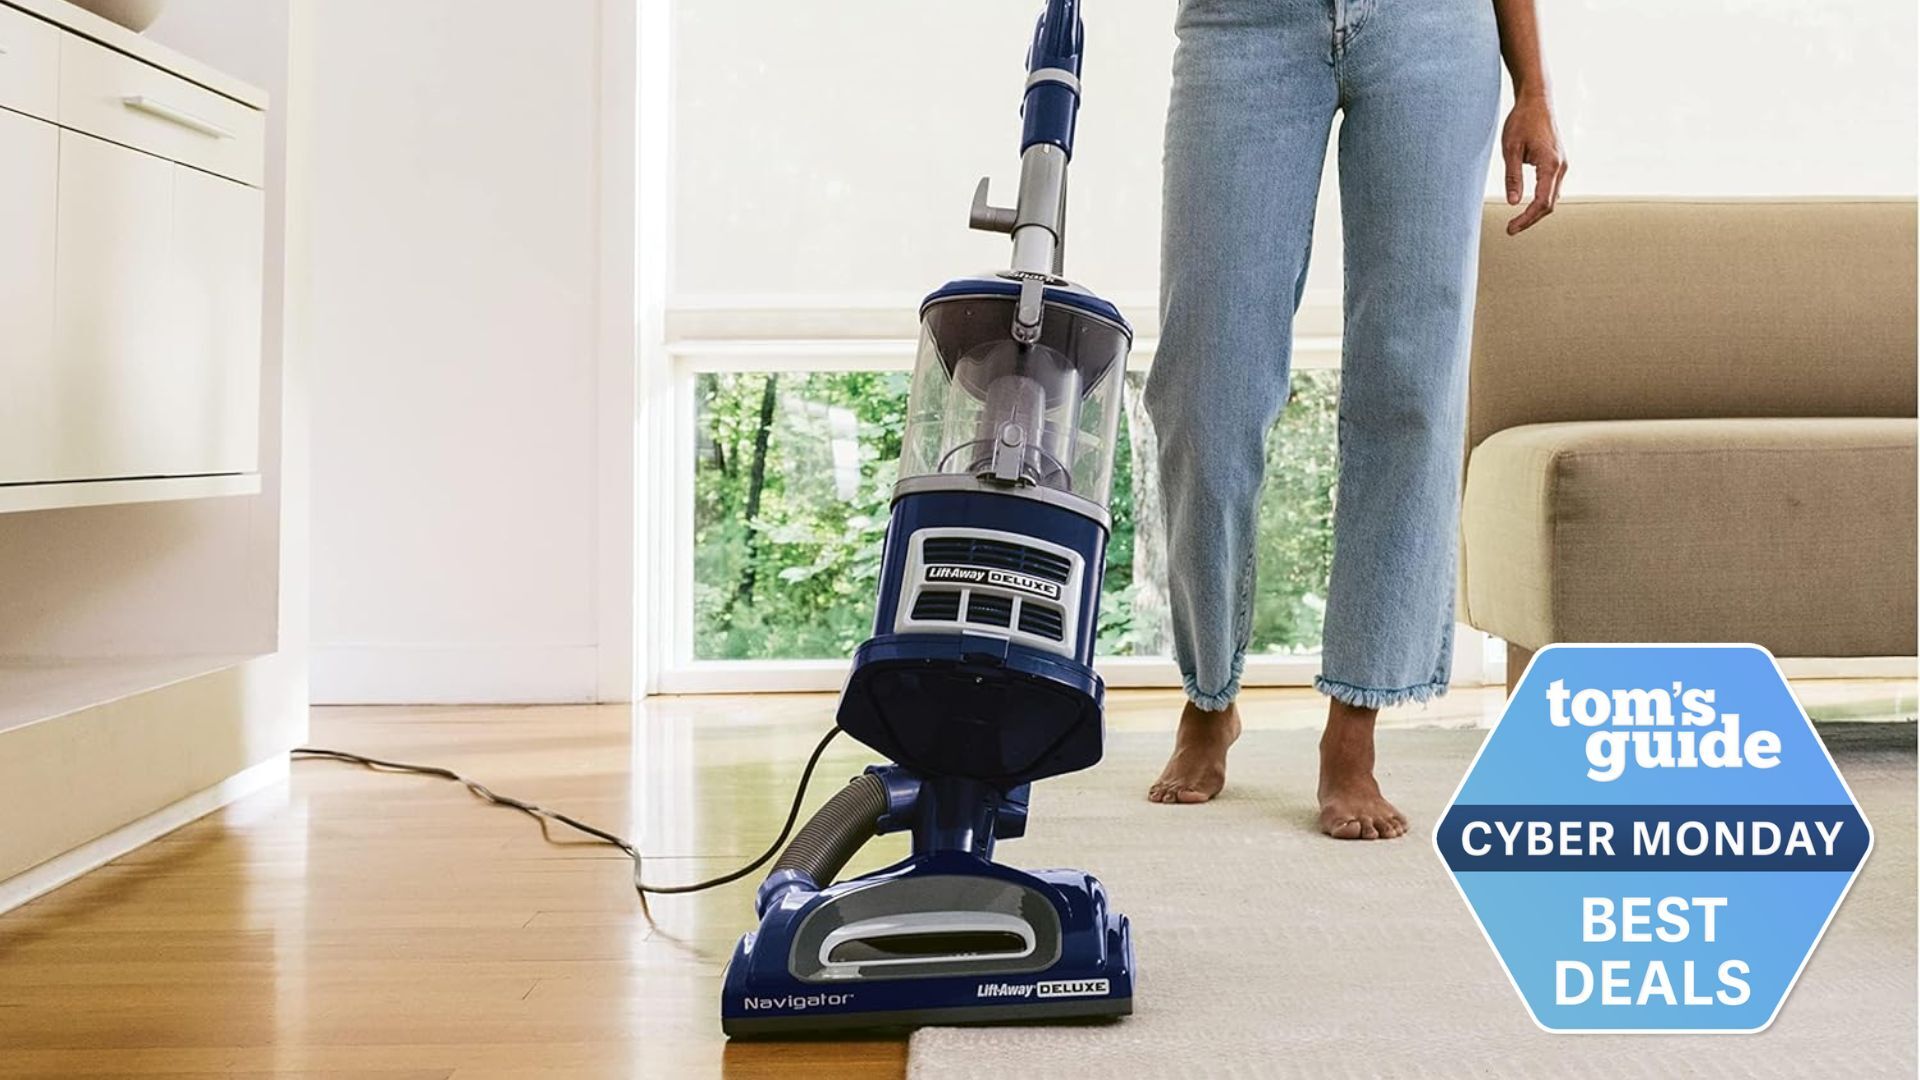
(793, 472)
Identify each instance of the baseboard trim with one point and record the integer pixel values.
(42, 879)
(455, 674)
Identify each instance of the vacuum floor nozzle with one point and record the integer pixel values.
(948, 937)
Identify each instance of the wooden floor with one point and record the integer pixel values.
(354, 924)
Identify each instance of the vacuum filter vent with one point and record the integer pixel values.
(937, 605)
(999, 554)
(1040, 620)
(989, 610)
(967, 579)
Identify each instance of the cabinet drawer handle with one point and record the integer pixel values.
(152, 107)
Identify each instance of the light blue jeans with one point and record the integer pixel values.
(1256, 84)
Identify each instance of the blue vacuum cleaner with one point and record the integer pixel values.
(979, 677)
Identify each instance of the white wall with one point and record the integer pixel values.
(454, 286)
(1736, 97)
(825, 152)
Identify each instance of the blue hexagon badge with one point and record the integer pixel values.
(1653, 838)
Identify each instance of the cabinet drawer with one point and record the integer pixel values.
(29, 64)
(126, 101)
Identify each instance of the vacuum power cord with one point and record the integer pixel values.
(598, 835)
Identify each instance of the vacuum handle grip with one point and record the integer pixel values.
(1052, 98)
(1057, 38)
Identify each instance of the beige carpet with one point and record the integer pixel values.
(1267, 950)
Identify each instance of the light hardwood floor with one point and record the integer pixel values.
(354, 924)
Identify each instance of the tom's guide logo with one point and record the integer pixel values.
(1653, 838)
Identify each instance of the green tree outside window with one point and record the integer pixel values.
(794, 471)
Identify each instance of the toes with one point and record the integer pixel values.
(1366, 817)
(1176, 791)
(1343, 829)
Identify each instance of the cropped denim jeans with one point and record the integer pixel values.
(1256, 85)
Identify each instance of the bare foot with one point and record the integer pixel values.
(1351, 806)
(1198, 768)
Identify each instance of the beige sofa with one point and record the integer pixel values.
(1694, 421)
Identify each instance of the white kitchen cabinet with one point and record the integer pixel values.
(30, 150)
(130, 270)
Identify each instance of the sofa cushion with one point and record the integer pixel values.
(1797, 534)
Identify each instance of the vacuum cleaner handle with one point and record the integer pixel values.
(1053, 77)
(1038, 218)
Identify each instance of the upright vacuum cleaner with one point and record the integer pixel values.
(978, 679)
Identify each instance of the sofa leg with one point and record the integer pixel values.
(1517, 657)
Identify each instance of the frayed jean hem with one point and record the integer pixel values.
(1220, 699)
(1363, 697)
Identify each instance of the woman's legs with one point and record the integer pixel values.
(1253, 100)
(1420, 90)
(1255, 85)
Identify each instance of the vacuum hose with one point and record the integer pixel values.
(848, 820)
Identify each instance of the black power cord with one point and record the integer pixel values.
(599, 836)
